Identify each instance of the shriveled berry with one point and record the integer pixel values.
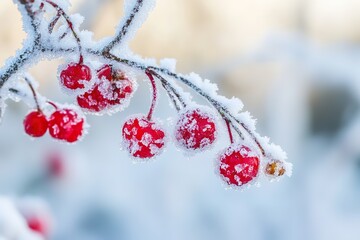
(275, 168)
(75, 75)
(239, 165)
(66, 125)
(143, 138)
(195, 129)
(113, 88)
(35, 124)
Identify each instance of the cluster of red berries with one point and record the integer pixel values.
(111, 88)
(144, 138)
(195, 130)
(63, 124)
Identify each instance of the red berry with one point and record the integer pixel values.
(93, 100)
(38, 225)
(195, 129)
(112, 89)
(56, 165)
(239, 165)
(66, 124)
(105, 72)
(143, 138)
(35, 124)
(75, 75)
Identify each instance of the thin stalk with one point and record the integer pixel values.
(172, 97)
(154, 95)
(71, 27)
(229, 131)
(34, 94)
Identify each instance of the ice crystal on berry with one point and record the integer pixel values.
(75, 76)
(112, 88)
(143, 138)
(54, 33)
(195, 129)
(67, 125)
(238, 165)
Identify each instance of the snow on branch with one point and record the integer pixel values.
(102, 79)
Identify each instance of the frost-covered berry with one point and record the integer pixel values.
(66, 125)
(35, 124)
(113, 88)
(75, 75)
(239, 165)
(143, 138)
(275, 168)
(93, 100)
(195, 129)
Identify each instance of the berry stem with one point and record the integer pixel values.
(62, 13)
(52, 104)
(172, 97)
(167, 85)
(34, 94)
(39, 47)
(229, 131)
(217, 105)
(154, 98)
(53, 22)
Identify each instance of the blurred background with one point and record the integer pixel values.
(294, 64)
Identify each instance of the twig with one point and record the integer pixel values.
(37, 47)
(124, 29)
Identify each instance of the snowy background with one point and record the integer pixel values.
(295, 65)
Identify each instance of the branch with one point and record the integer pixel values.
(61, 12)
(124, 29)
(24, 55)
(34, 25)
(16, 64)
(217, 105)
(21, 59)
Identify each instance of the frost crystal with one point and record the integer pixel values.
(102, 76)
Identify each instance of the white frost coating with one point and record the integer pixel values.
(168, 63)
(12, 224)
(106, 88)
(2, 108)
(25, 94)
(64, 4)
(238, 147)
(87, 84)
(234, 105)
(80, 115)
(192, 126)
(132, 144)
(147, 7)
